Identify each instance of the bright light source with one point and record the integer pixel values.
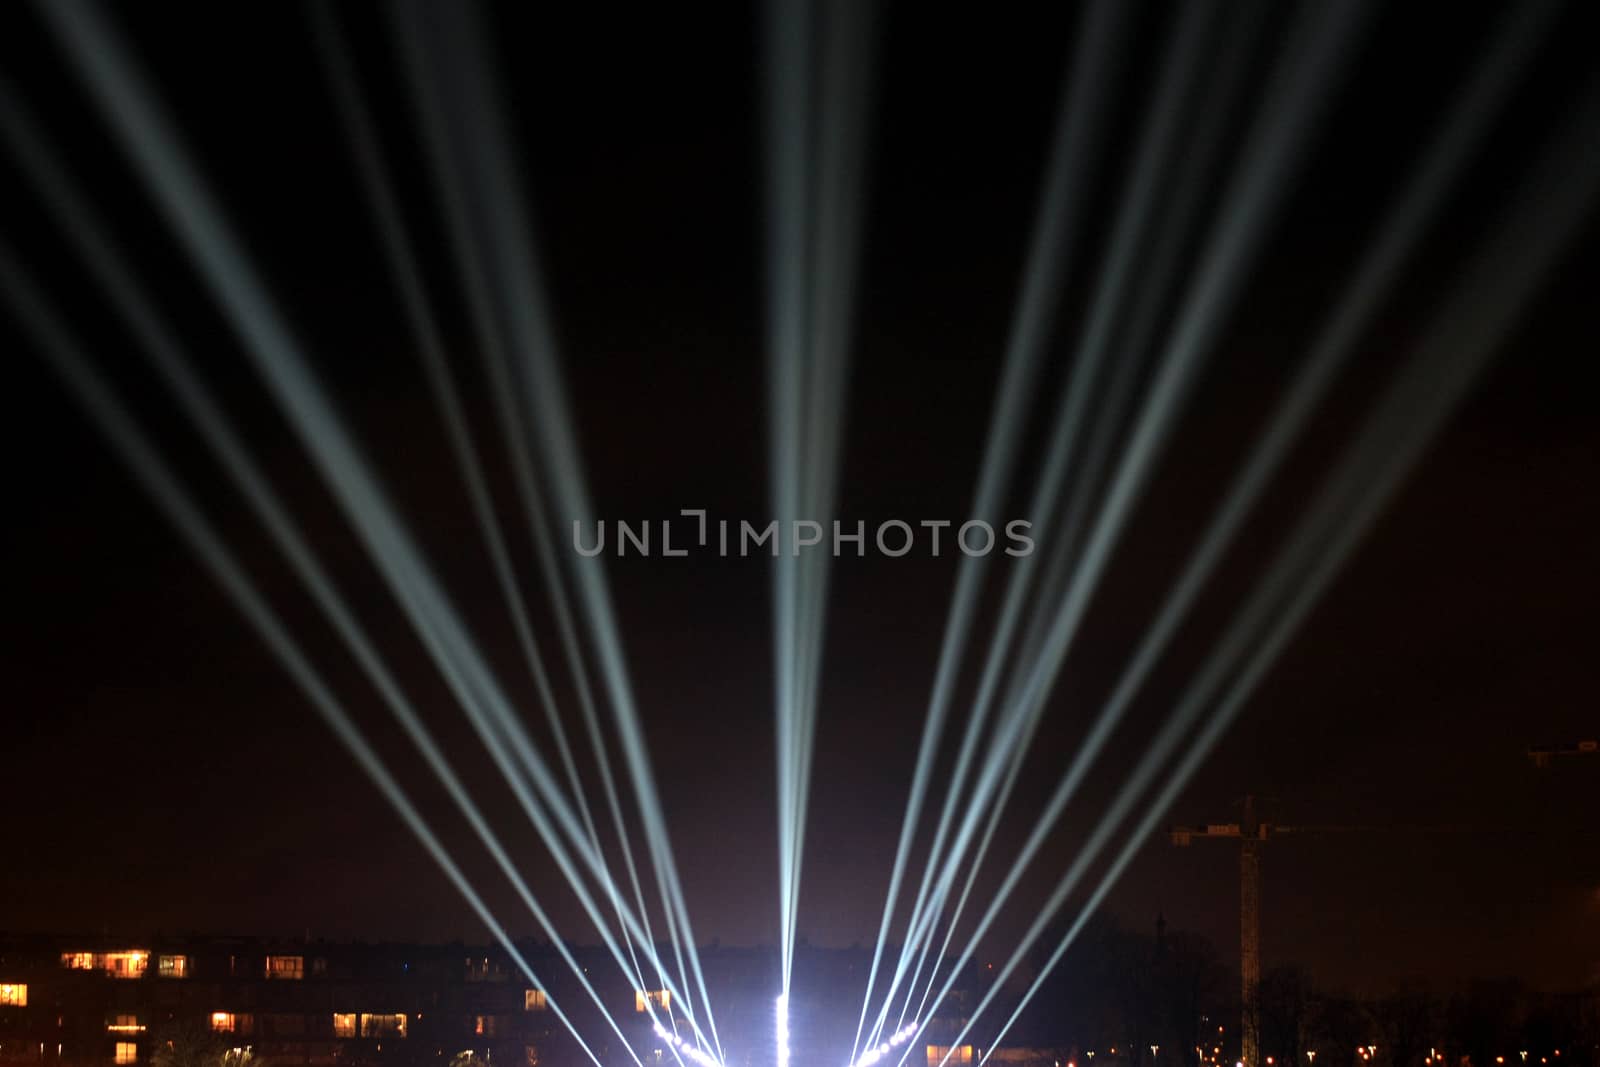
(898, 1038)
(693, 1053)
(783, 1029)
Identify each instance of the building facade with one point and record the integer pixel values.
(93, 1001)
(246, 1002)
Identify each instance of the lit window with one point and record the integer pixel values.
(125, 1024)
(344, 1024)
(383, 1025)
(129, 964)
(172, 966)
(960, 1054)
(483, 1025)
(286, 966)
(127, 1052)
(13, 995)
(661, 998)
(223, 1022)
(535, 1000)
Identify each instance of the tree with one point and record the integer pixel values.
(1191, 987)
(1286, 1006)
(191, 1043)
(1339, 1026)
(1484, 1020)
(1408, 1023)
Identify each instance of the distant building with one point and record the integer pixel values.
(93, 1002)
(85, 1001)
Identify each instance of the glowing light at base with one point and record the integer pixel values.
(783, 1030)
(687, 1049)
(898, 1038)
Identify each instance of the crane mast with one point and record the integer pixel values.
(1250, 831)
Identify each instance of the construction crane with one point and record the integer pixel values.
(1542, 755)
(1250, 831)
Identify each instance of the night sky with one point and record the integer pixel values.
(160, 772)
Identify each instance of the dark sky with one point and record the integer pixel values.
(161, 772)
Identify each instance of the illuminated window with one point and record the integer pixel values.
(129, 964)
(127, 1052)
(13, 995)
(126, 964)
(484, 1025)
(286, 966)
(125, 1024)
(172, 966)
(344, 1024)
(535, 1000)
(383, 1025)
(937, 1054)
(661, 998)
(223, 1022)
